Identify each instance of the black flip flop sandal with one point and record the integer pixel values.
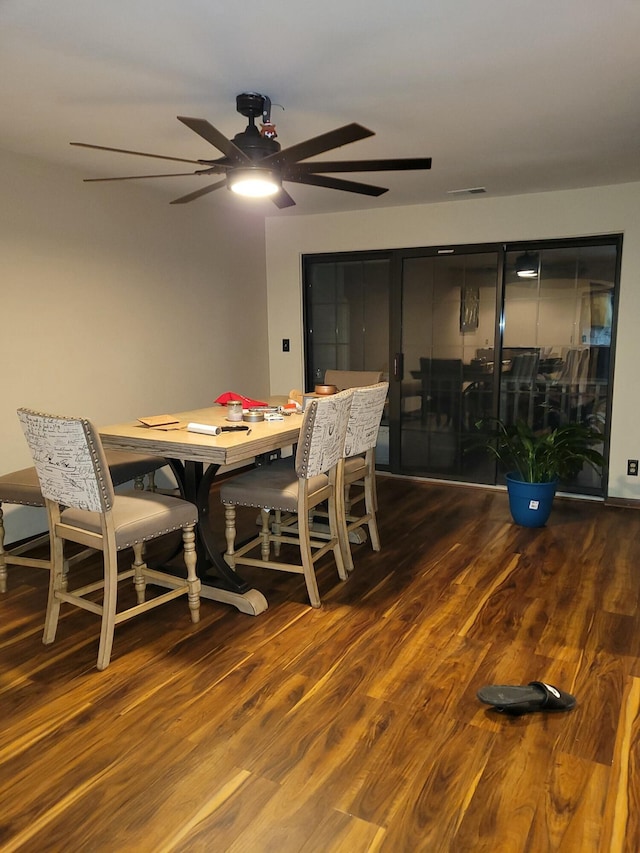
(525, 698)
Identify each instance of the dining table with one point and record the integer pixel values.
(196, 458)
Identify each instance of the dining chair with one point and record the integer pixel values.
(296, 489)
(442, 384)
(23, 488)
(572, 383)
(82, 507)
(344, 379)
(360, 463)
(520, 387)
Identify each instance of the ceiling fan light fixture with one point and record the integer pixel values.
(254, 182)
(254, 164)
(527, 265)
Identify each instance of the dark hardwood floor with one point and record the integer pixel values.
(351, 728)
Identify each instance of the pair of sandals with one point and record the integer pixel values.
(525, 698)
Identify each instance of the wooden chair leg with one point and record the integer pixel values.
(265, 533)
(277, 530)
(138, 482)
(139, 565)
(338, 532)
(374, 487)
(347, 499)
(370, 509)
(341, 506)
(3, 555)
(109, 604)
(57, 583)
(190, 559)
(307, 560)
(230, 534)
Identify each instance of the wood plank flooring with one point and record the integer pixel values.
(351, 728)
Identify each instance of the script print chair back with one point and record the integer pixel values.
(82, 507)
(360, 463)
(314, 478)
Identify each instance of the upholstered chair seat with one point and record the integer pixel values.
(278, 491)
(136, 518)
(23, 488)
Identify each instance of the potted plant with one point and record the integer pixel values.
(536, 460)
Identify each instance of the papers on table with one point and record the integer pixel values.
(165, 422)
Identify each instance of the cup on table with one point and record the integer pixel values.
(234, 410)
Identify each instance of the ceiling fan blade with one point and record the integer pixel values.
(317, 144)
(138, 153)
(198, 193)
(392, 165)
(140, 177)
(283, 199)
(207, 131)
(339, 184)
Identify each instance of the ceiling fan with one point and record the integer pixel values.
(254, 164)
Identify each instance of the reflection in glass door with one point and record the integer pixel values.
(347, 321)
(448, 320)
(558, 323)
(346, 316)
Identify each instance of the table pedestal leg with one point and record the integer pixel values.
(219, 582)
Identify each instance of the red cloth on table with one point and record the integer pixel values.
(247, 402)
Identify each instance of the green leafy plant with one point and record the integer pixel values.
(544, 455)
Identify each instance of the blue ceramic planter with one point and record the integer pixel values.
(530, 503)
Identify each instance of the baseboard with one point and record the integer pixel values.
(624, 503)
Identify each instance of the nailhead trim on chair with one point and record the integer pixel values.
(106, 495)
(22, 488)
(305, 444)
(150, 538)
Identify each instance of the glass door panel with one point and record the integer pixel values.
(347, 322)
(558, 321)
(447, 341)
(347, 316)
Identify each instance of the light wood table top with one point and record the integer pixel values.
(224, 449)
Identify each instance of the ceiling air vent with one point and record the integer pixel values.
(468, 191)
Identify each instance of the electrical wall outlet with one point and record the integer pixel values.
(632, 467)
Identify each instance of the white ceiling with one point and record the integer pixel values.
(517, 96)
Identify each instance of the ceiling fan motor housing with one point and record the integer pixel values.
(251, 141)
(254, 144)
(250, 104)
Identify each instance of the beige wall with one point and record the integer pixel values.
(115, 304)
(599, 210)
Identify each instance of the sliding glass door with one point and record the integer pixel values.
(466, 334)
